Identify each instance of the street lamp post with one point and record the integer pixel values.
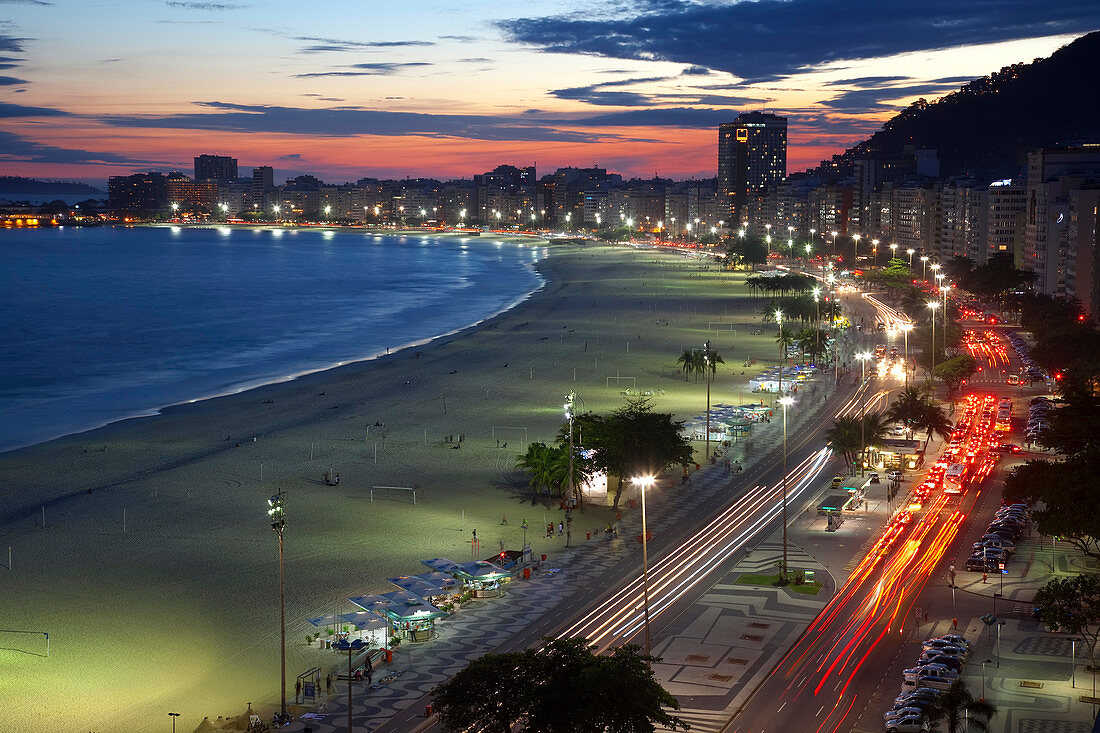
(1073, 663)
(569, 400)
(782, 349)
(173, 716)
(924, 264)
(786, 402)
(910, 252)
(834, 242)
(984, 662)
(350, 647)
(706, 367)
(863, 356)
(643, 482)
(855, 250)
(933, 305)
(905, 329)
(817, 322)
(277, 512)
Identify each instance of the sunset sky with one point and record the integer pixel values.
(349, 88)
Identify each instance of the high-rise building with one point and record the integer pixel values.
(215, 168)
(141, 192)
(1005, 206)
(752, 156)
(187, 195)
(263, 185)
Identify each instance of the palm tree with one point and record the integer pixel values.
(909, 408)
(843, 438)
(873, 430)
(688, 362)
(548, 467)
(957, 706)
(934, 420)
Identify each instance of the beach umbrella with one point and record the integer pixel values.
(441, 564)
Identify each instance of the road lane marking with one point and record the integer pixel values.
(781, 708)
(819, 711)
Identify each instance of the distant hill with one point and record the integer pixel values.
(30, 186)
(987, 127)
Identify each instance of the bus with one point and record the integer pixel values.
(954, 478)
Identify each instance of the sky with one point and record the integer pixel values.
(345, 89)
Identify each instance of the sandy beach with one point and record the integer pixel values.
(155, 573)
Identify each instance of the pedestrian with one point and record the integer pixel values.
(926, 617)
(504, 520)
(297, 691)
(985, 577)
(954, 623)
(369, 666)
(359, 675)
(328, 684)
(475, 537)
(561, 529)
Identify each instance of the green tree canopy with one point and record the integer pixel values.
(537, 689)
(1064, 487)
(635, 441)
(748, 250)
(1072, 604)
(956, 370)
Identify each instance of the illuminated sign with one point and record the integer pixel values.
(742, 135)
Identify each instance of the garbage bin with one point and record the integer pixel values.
(527, 573)
(544, 557)
(389, 654)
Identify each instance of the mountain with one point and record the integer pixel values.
(30, 186)
(987, 127)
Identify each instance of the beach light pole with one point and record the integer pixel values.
(707, 367)
(643, 482)
(350, 647)
(173, 716)
(786, 402)
(569, 400)
(984, 662)
(782, 349)
(863, 356)
(817, 321)
(905, 329)
(276, 510)
(924, 267)
(855, 250)
(932, 306)
(893, 251)
(910, 252)
(328, 210)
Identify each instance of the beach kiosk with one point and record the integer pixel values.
(481, 578)
(410, 616)
(437, 588)
(369, 627)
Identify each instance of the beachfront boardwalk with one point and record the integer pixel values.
(483, 626)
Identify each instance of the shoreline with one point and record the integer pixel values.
(261, 382)
(160, 546)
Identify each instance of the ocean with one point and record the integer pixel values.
(105, 323)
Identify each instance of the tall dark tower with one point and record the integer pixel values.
(752, 156)
(215, 168)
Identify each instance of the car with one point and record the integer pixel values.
(918, 694)
(910, 724)
(904, 712)
(872, 478)
(952, 663)
(982, 565)
(931, 654)
(1004, 541)
(935, 681)
(895, 475)
(930, 669)
(838, 481)
(1009, 448)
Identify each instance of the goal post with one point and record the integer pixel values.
(633, 381)
(383, 489)
(503, 433)
(16, 634)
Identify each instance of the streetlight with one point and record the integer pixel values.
(350, 647)
(173, 716)
(945, 290)
(569, 400)
(910, 252)
(855, 250)
(863, 356)
(782, 349)
(1073, 663)
(328, 210)
(706, 367)
(893, 251)
(874, 252)
(786, 402)
(984, 662)
(834, 242)
(924, 263)
(933, 305)
(276, 510)
(905, 329)
(643, 482)
(817, 316)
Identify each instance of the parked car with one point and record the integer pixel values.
(927, 670)
(942, 644)
(911, 724)
(944, 660)
(873, 478)
(905, 712)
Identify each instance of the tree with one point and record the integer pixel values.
(635, 441)
(1072, 604)
(934, 420)
(958, 708)
(536, 689)
(1063, 487)
(956, 370)
(547, 465)
(909, 407)
(689, 362)
(843, 438)
(748, 250)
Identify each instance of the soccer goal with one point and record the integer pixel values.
(633, 381)
(717, 326)
(393, 491)
(504, 434)
(24, 641)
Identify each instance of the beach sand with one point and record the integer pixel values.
(155, 574)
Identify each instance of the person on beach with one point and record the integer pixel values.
(369, 667)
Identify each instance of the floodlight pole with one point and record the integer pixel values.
(706, 367)
(277, 512)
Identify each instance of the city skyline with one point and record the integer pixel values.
(448, 91)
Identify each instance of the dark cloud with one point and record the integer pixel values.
(11, 44)
(875, 99)
(109, 61)
(291, 156)
(696, 71)
(678, 117)
(867, 82)
(8, 81)
(16, 148)
(24, 2)
(460, 39)
(379, 68)
(776, 38)
(352, 121)
(7, 109)
(324, 45)
(202, 5)
(608, 94)
(475, 60)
